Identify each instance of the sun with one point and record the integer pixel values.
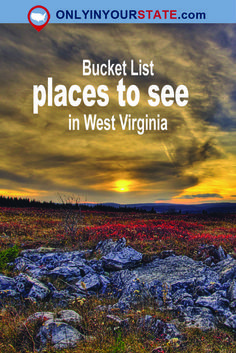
(122, 185)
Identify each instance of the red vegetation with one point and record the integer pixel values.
(150, 233)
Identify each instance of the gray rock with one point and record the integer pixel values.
(135, 292)
(209, 261)
(221, 253)
(63, 297)
(120, 279)
(161, 278)
(6, 282)
(171, 331)
(128, 288)
(125, 258)
(178, 272)
(159, 328)
(202, 296)
(9, 293)
(232, 306)
(89, 282)
(197, 317)
(105, 282)
(183, 298)
(67, 272)
(106, 246)
(62, 294)
(201, 291)
(38, 291)
(213, 254)
(118, 321)
(50, 261)
(36, 272)
(20, 264)
(23, 284)
(31, 287)
(232, 291)
(41, 315)
(166, 253)
(97, 266)
(226, 269)
(222, 315)
(231, 322)
(41, 261)
(215, 302)
(58, 334)
(32, 255)
(41, 250)
(214, 286)
(70, 317)
(156, 289)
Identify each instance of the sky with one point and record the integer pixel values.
(192, 162)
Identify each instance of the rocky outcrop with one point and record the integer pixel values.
(199, 295)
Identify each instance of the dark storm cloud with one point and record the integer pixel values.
(196, 152)
(8, 111)
(154, 171)
(157, 172)
(11, 113)
(4, 174)
(213, 196)
(223, 39)
(25, 181)
(70, 49)
(54, 161)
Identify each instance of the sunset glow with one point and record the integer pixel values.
(122, 186)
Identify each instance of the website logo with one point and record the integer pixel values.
(38, 17)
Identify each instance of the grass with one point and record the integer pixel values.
(104, 336)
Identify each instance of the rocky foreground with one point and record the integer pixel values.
(202, 294)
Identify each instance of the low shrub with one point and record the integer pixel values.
(7, 256)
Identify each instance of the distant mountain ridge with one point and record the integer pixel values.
(224, 207)
(220, 207)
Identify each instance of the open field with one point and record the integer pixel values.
(149, 233)
(28, 228)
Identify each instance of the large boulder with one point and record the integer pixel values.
(119, 260)
(58, 334)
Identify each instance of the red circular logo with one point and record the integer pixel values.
(38, 17)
